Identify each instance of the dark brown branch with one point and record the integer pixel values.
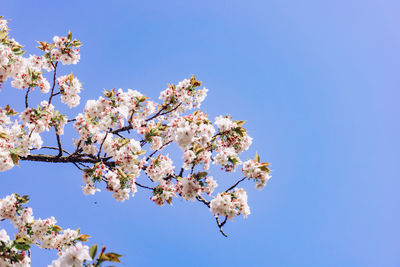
(101, 145)
(126, 128)
(220, 225)
(69, 159)
(175, 108)
(192, 169)
(233, 186)
(26, 97)
(202, 199)
(78, 149)
(54, 81)
(169, 142)
(143, 186)
(156, 115)
(120, 135)
(60, 150)
(76, 165)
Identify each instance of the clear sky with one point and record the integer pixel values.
(318, 83)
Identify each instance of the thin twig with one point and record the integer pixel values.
(54, 81)
(54, 148)
(157, 114)
(169, 142)
(202, 199)
(233, 186)
(143, 186)
(220, 226)
(191, 171)
(175, 108)
(101, 146)
(123, 137)
(76, 165)
(207, 203)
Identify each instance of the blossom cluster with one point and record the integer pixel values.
(190, 187)
(25, 72)
(43, 118)
(184, 93)
(41, 232)
(163, 193)
(101, 115)
(160, 168)
(14, 140)
(10, 256)
(63, 49)
(258, 171)
(73, 256)
(118, 182)
(230, 204)
(70, 87)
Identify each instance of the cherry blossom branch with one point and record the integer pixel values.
(159, 113)
(123, 158)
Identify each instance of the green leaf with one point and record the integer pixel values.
(141, 152)
(202, 174)
(83, 238)
(24, 199)
(22, 243)
(113, 257)
(257, 158)
(69, 36)
(264, 167)
(19, 52)
(93, 251)
(14, 156)
(240, 123)
(3, 135)
(56, 228)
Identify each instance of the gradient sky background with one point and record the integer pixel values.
(318, 83)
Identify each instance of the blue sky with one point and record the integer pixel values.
(316, 81)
